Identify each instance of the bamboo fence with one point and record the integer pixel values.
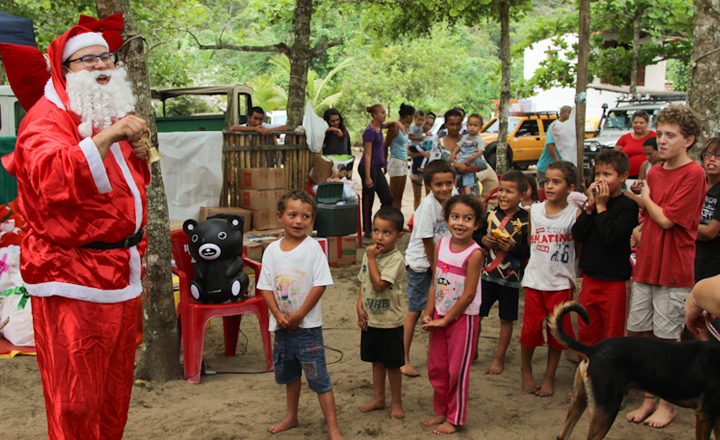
(245, 150)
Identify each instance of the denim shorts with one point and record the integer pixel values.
(418, 285)
(301, 350)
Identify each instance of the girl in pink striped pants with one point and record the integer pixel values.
(452, 312)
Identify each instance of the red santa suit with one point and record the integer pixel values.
(83, 298)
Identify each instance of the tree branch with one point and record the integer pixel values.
(320, 48)
(280, 47)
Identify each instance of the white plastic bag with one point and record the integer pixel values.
(19, 329)
(315, 128)
(349, 193)
(563, 134)
(16, 306)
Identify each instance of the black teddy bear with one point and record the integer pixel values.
(216, 245)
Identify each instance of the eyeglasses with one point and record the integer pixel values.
(92, 60)
(715, 156)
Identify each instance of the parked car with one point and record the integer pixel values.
(618, 121)
(526, 138)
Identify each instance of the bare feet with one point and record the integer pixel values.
(547, 388)
(408, 370)
(528, 383)
(445, 428)
(334, 434)
(496, 367)
(374, 405)
(642, 413)
(397, 412)
(663, 415)
(283, 425)
(434, 420)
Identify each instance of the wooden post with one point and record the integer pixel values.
(581, 84)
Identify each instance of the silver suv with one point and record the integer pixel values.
(618, 121)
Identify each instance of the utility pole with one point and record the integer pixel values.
(581, 83)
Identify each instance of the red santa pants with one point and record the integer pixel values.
(86, 353)
(606, 303)
(449, 359)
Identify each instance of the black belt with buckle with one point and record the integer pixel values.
(127, 242)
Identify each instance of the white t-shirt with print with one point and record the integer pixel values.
(428, 222)
(291, 275)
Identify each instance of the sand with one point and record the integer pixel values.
(241, 401)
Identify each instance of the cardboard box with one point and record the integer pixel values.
(253, 250)
(260, 199)
(277, 233)
(176, 226)
(342, 250)
(262, 178)
(207, 211)
(265, 220)
(322, 169)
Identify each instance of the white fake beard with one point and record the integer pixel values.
(99, 105)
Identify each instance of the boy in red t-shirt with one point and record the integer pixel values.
(673, 196)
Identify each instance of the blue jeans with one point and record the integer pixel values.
(301, 350)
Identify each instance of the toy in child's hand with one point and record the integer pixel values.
(499, 233)
(215, 245)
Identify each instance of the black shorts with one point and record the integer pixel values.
(507, 298)
(383, 345)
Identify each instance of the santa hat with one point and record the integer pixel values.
(28, 71)
(82, 41)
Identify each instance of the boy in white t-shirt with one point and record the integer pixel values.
(428, 226)
(294, 276)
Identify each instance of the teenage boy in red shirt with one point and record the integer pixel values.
(664, 275)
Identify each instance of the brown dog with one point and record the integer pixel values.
(686, 374)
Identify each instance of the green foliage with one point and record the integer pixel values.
(666, 32)
(267, 93)
(433, 74)
(188, 105)
(679, 74)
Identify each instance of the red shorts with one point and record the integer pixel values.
(606, 303)
(540, 304)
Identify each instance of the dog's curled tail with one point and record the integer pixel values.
(556, 320)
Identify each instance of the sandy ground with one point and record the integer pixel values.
(241, 401)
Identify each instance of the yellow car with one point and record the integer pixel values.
(526, 138)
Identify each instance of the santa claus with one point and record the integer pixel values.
(80, 162)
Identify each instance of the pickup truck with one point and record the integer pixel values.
(238, 102)
(618, 121)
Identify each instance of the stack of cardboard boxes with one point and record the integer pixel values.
(261, 191)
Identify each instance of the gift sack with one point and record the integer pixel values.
(15, 303)
(16, 308)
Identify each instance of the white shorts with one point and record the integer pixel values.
(659, 309)
(397, 167)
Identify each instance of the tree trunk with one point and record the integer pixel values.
(161, 348)
(300, 57)
(581, 83)
(704, 93)
(636, 50)
(501, 163)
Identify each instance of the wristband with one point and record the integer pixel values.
(589, 208)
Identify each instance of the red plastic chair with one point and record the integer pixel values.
(541, 194)
(491, 195)
(194, 315)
